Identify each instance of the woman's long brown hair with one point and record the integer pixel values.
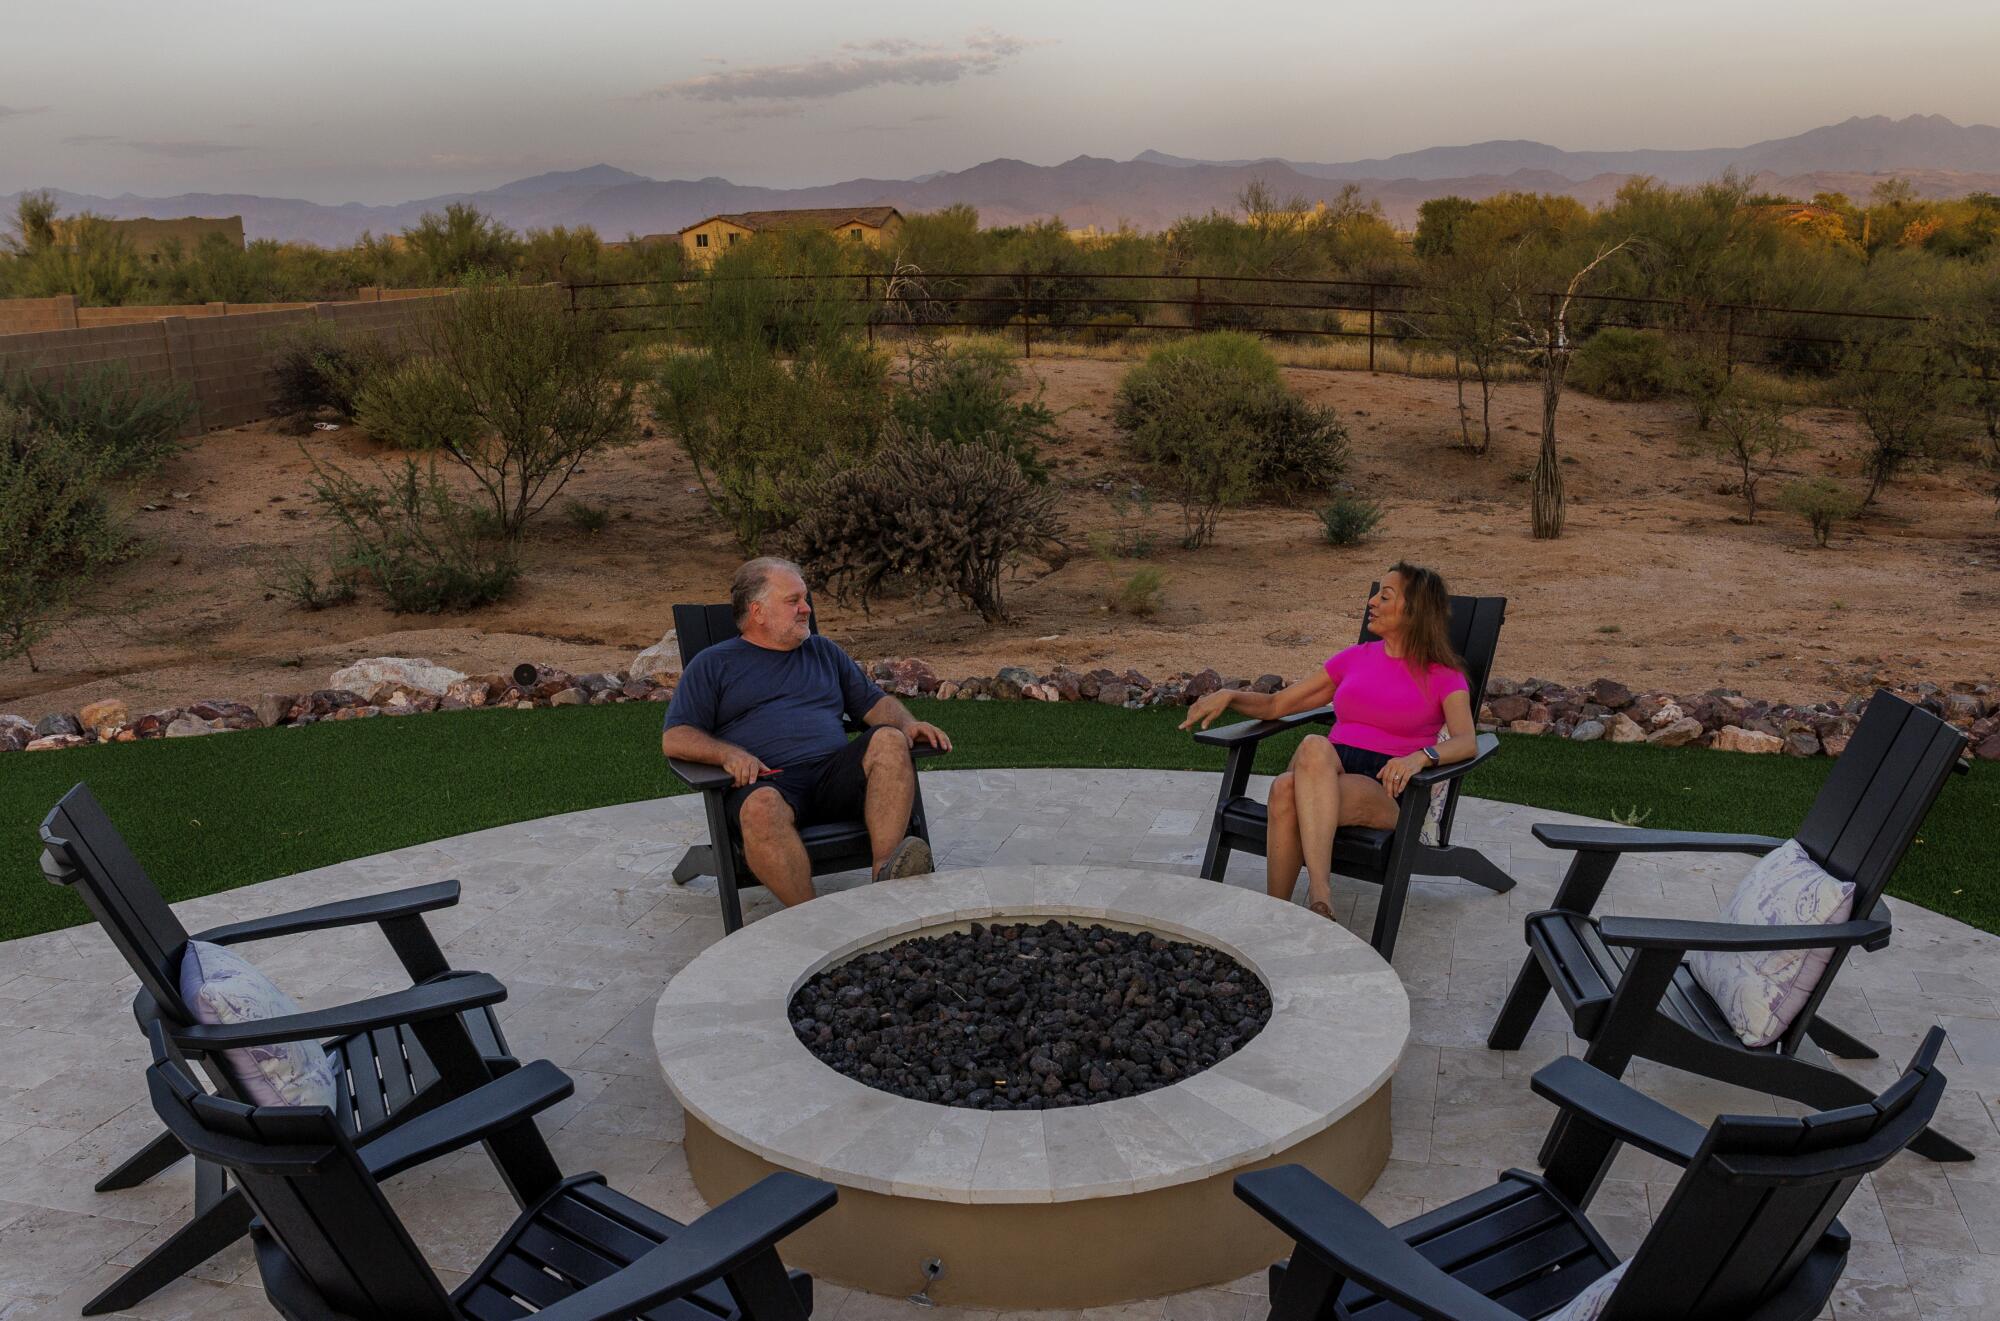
(1426, 620)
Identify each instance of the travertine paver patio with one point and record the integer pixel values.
(579, 917)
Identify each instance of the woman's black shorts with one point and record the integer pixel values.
(1360, 761)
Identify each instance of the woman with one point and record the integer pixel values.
(1390, 698)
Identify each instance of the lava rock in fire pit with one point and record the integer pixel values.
(1030, 1017)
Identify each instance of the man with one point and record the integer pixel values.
(766, 706)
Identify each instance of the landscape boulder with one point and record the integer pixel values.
(906, 676)
(663, 657)
(1114, 693)
(1683, 731)
(191, 726)
(388, 672)
(1528, 726)
(232, 714)
(1668, 713)
(322, 703)
(57, 722)
(1012, 682)
(52, 742)
(103, 715)
(1735, 738)
(1506, 710)
(16, 732)
(1201, 685)
(1588, 731)
(1608, 693)
(1267, 683)
(569, 697)
(1801, 745)
(1067, 683)
(274, 708)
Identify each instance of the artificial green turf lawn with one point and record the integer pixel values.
(208, 814)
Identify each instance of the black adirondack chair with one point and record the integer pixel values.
(1624, 983)
(833, 846)
(394, 1055)
(1750, 1233)
(330, 1248)
(1382, 857)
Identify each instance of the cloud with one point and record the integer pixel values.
(861, 65)
(173, 149)
(16, 111)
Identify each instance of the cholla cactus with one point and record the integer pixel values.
(945, 518)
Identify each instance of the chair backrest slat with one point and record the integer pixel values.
(1875, 798)
(314, 1196)
(85, 851)
(1475, 636)
(1761, 1193)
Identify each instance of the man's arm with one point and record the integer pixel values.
(889, 711)
(691, 744)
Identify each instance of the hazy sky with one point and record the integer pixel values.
(356, 100)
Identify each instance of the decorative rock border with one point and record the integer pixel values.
(1311, 1086)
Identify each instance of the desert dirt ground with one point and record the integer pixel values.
(1656, 581)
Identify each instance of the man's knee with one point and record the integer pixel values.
(765, 812)
(887, 747)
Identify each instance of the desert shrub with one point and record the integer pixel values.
(1140, 592)
(585, 517)
(1751, 435)
(966, 394)
(1698, 373)
(313, 367)
(1349, 520)
(136, 423)
(55, 530)
(428, 549)
(1616, 363)
(759, 429)
(547, 386)
(311, 585)
(1213, 416)
(1902, 392)
(1822, 502)
(410, 406)
(943, 518)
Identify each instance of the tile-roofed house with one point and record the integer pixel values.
(865, 224)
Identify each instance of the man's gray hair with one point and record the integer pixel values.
(751, 580)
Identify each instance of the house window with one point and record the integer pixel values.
(701, 240)
(733, 237)
(854, 233)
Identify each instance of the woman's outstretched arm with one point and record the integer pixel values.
(1301, 696)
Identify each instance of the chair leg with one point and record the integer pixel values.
(1389, 912)
(159, 1154)
(699, 860)
(1839, 1041)
(211, 1230)
(1524, 1003)
(725, 886)
(1467, 864)
(1215, 862)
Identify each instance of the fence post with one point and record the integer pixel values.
(1199, 309)
(1371, 327)
(1027, 327)
(1729, 344)
(868, 303)
(65, 311)
(180, 369)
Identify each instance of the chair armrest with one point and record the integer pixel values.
(340, 913)
(1256, 731)
(1608, 1104)
(700, 775)
(436, 999)
(1332, 1227)
(477, 1115)
(1623, 839)
(1424, 779)
(745, 1226)
(1668, 933)
(921, 750)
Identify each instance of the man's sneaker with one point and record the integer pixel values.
(911, 858)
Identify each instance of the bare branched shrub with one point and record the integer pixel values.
(1901, 390)
(1751, 435)
(1822, 503)
(943, 518)
(412, 536)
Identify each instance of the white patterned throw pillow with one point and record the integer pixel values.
(221, 986)
(1761, 992)
(1589, 1305)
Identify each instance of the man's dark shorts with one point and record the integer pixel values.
(828, 789)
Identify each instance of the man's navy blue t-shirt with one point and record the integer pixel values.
(783, 707)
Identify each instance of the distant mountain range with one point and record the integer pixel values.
(1938, 157)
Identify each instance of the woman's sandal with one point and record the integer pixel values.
(1324, 909)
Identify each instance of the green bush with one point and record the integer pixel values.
(1214, 416)
(135, 423)
(585, 517)
(1139, 593)
(1616, 363)
(967, 393)
(1349, 520)
(942, 518)
(429, 550)
(411, 406)
(1822, 502)
(55, 530)
(315, 367)
(758, 428)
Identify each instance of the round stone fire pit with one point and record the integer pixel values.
(1075, 1207)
